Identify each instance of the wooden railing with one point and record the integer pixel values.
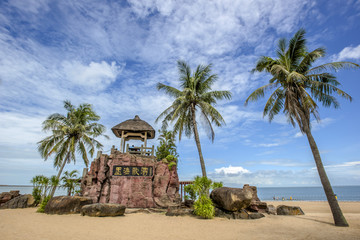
(143, 151)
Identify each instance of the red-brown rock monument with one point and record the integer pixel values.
(132, 176)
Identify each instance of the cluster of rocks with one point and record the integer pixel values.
(13, 199)
(237, 203)
(160, 189)
(83, 205)
(243, 203)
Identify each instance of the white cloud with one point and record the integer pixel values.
(231, 170)
(345, 164)
(349, 53)
(95, 75)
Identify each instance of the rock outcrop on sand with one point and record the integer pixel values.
(66, 204)
(160, 188)
(289, 210)
(238, 203)
(21, 201)
(7, 196)
(231, 199)
(103, 210)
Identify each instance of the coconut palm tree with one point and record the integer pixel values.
(195, 99)
(296, 88)
(70, 181)
(71, 134)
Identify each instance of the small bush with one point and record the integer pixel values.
(189, 190)
(37, 195)
(204, 207)
(42, 206)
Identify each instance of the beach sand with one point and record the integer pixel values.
(317, 223)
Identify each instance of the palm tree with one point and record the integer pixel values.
(194, 98)
(71, 134)
(298, 87)
(70, 181)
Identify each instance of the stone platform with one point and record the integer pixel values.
(131, 180)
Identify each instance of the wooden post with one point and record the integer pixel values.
(145, 138)
(181, 191)
(152, 150)
(127, 147)
(122, 142)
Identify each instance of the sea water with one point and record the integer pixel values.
(343, 193)
(28, 190)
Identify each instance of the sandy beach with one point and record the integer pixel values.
(317, 223)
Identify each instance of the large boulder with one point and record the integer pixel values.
(231, 199)
(103, 210)
(7, 196)
(66, 204)
(22, 201)
(289, 210)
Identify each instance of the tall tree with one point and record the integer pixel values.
(296, 88)
(71, 134)
(195, 99)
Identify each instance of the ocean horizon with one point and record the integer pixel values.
(343, 193)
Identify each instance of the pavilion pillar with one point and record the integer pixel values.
(145, 139)
(122, 149)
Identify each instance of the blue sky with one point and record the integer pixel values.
(113, 53)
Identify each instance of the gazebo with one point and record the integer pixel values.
(134, 129)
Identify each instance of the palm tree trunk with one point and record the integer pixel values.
(58, 176)
(197, 140)
(338, 216)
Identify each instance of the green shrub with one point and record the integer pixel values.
(171, 161)
(36, 193)
(199, 191)
(204, 207)
(190, 191)
(42, 206)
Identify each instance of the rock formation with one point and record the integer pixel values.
(131, 180)
(231, 199)
(21, 201)
(66, 204)
(7, 196)
(238, 203)
(289, 210)
(103, 210)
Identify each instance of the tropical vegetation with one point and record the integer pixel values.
(195, 99)
(42, 186)
(70, 181)
(167, 145)
(72, 134)
(199, 192)
(296, 88)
